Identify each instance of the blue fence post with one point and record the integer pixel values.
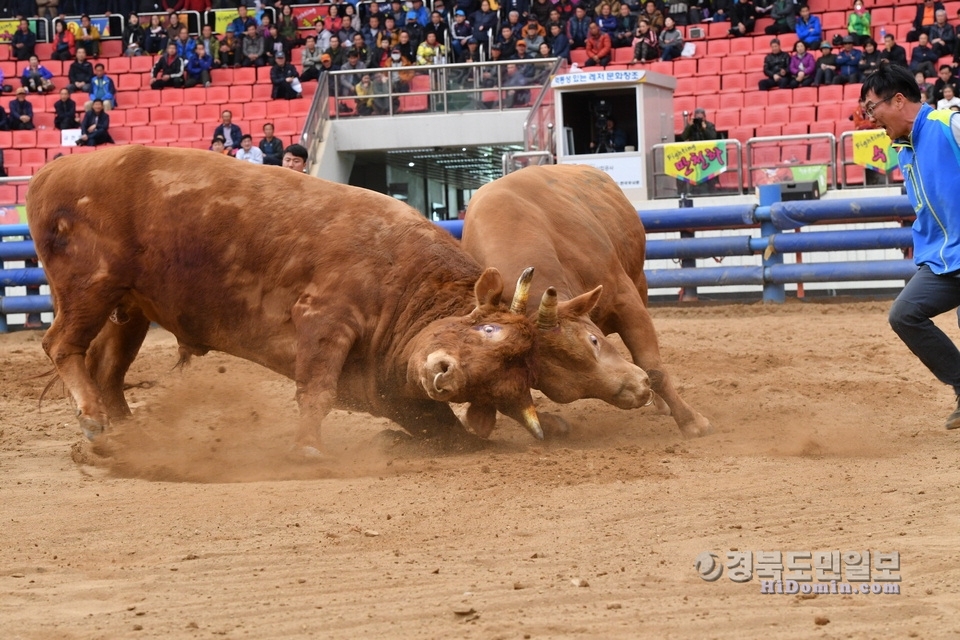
(687, 294)
(769, 194)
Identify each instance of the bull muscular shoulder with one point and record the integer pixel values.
(350, 293)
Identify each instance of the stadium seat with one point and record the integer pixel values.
(241, 93)
(278, 109)
(904, 13)
(168, 133)
(111, 48)
(822, 126)
(851, 92)
(709, 101)
(803, 113)
(161, 115)
(264, 92)
(731, 100)
(121, 135)
(708, 66)
(805, 96)
(118, 65)
(795, 153)
(719, 47)
(263, 74)
(118, 118)
(765, 155)
(171, 97)
(579, 56)
(755, 98)
(254, 111)
(732, 83)
(741, 46)
(830, 93)
(223, 77)
(732, 64)
(24, 139)
(12, 157)
(716, 31)
(768, 131)
(184, 113)
(141, 64)
(194, 96)
(752, 117)
(244, 75)
(299, 107)
(659, 66)
(622, 55)
(148, 98)
(684, 68)
(834, 21)
(33, 157)
(287, 126)
(217, 94)
(684, 103)
(42, 120)
(208, 112)
(128, 81)
(794, 129)
(8, 194)
(191, 131)
(829, 111)
(780, 97)
(726, 120)
(137, 117)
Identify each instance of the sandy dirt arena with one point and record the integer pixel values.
(829, 438)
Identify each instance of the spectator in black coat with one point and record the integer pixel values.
(80, 73)
(230, 132)
(66, 112)
(21, 112)
(23, 42)
(95, 126)
(285, 79)
(271, 146)
(892, 53)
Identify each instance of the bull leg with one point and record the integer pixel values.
(77, 322)
(435, 422)
(112, 352)
(324, 339)
(635, 327)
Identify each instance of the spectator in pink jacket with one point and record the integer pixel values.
(802, 66)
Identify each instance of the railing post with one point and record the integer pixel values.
(687, 294)
(772, 293)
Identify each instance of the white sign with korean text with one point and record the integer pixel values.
(68, 137)
(597, 77)
(627, 171)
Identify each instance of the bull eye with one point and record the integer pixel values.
(489, 329)
(594, 341)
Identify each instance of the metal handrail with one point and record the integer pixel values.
(545, 117)
(515, 160)
(316, 122)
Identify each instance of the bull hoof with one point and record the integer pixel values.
(696, 428)
(91, 428)
(554, 427)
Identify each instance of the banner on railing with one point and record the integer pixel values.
(102, 23)
(695, 162)
(12, 214)
(872, 149)
(306, 16)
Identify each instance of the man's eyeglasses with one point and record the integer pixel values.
(869, 107)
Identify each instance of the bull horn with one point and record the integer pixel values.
(532, 423)
(547, 316)
(519, 303)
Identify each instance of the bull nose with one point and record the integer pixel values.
(441, 376)
(634, 393)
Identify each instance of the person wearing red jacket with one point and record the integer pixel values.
(599, 47)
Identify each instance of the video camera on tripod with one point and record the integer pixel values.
(601, 111)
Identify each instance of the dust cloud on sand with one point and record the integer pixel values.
(197, 522)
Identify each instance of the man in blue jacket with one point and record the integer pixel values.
(809, 30)
(101, 88)
(928, 142)
(848, 63)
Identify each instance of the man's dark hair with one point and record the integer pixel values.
(297, 151)
(246, 136)
(946, 66)
(99, 65)
(888, 81)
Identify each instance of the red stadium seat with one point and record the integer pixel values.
(111, 48)
(138, 117)
(208, 112)
(708, 67)
(264, 92)
(684, 103)
(171, 97)
(299, 107)
(803, 113)
(127, 81)
(194, 96)
(287, 126)
(780, 97)
(222, 77)
(244, 75)
(118, 65)
(241, 93)
(752, 117)
(579, 56)
(733, 83)
(161, 115)
(278, 109)
(794, 129)
(727, 120)
(148, 98)
(191, 131)
(777, 114)
(731, 100)
(8, 194)
(122, 135)
(141, 64)
(830, 93)
(684, 68)
(217, 95)
(805, 96)
(24, 139)
(822, 126)
(741, 46)
(768, 130)
(829, 111)
(718, 48)
(184, 113)
(118, 118)
(263, 74)
(254, 111)
(733, 64)
(168, 133)
(33, 157)
(851, 92)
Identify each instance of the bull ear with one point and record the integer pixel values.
(489, 289)
(582, 305)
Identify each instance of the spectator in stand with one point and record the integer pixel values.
(285, 79)
(387, 39)
(436, 26)
(776, 68)
(532, 36)
(579, 28)
(809, 29)
(295, 157)
(484, 23)
(699, 128)
(154, 36)
(65, 112)
(338, 55)
(414, 29)
(264, 27)
(364, 91)
(647, 47)
(515, 24)
(287, 26)
(134, 36)
(229, 51)
(423, 16)
(95, 127)
(924, 59)
(944, 78)
(803, 67)
(513, 96)
(430, 51)
(826, 65)
(925, 87)
(80, 73)
(252, 48)
(239, 25)
(566, 9)
(626, 27)
(185, 44)
(892, 53)
(23, 42)
(198, 67)
(271, 146)
(870, 62)
(230, 132)
(743, 19)
(349, 81)
(599, 47)
(400, 79)
(784, 14)
(210, 44)
(367, 56)
(247, 152)
(540, 9)
(323, 34)
(274, 44)
(88, 37)
(949, 99)
(721, 10)
(102, 88)
(348, 31)
(671, 40)
(371, 32)
(21, 112)
(407, 49)
(926, 16)
(168, 70)
(943, 35)
(678, 11)
(462, 33)
(507, 42)
(64, 44)
(218, 146)
(848, 63)
(311, 60)
(37, 78)
(559, 45)
(606, 21)
(858, 23)
(651, 12)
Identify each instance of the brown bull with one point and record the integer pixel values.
(362, 302)
(575, 226)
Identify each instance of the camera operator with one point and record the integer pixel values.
(699, 128)
(610, 138)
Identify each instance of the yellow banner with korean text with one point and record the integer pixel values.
(223, 18)
(872, 149)
(695, 162)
